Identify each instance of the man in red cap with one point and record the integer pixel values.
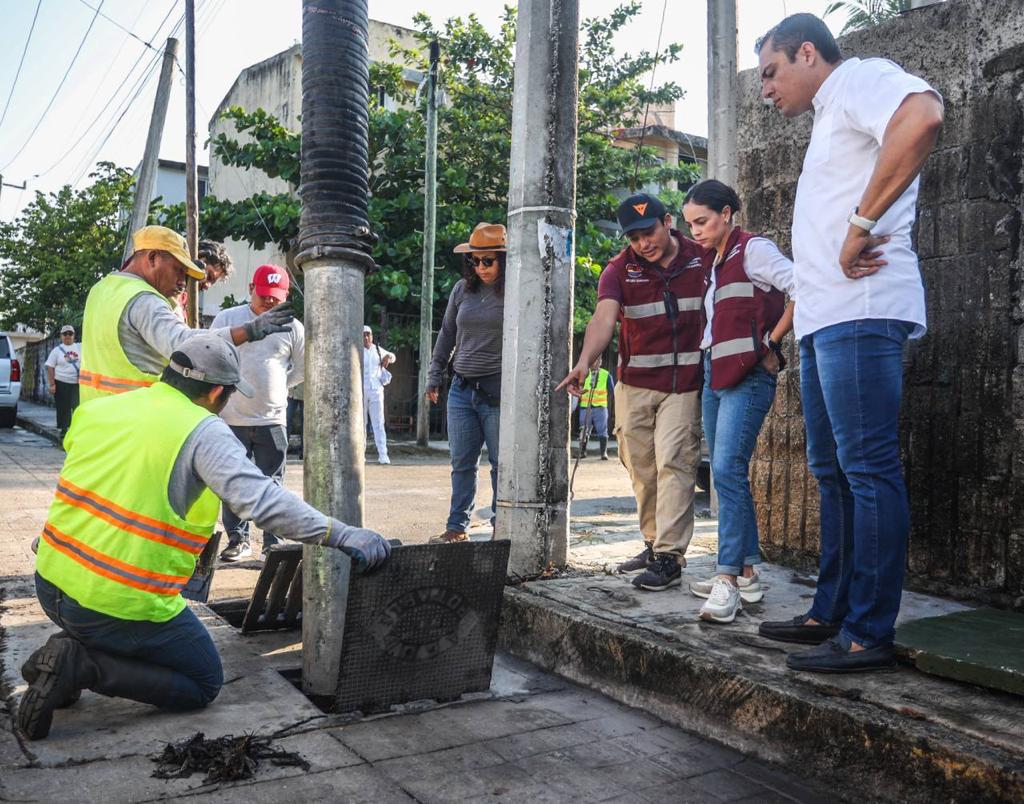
(271, 366)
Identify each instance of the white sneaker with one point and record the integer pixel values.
(722, 604)
(385, 460)
(750, 588)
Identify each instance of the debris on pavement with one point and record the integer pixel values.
(224, 759)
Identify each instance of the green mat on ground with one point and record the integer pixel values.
(980, 646)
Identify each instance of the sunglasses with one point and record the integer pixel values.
(487, 262)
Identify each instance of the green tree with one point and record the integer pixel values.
(59, 246)
(865, 13)
(474, 142)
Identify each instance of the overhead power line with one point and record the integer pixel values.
(130, 33)
(20, 63)
(60, 86)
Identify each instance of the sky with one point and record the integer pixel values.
(102, 110)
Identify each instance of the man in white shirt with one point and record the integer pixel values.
(62, 367)
(375, 377)
(272, 366)
(860, 298)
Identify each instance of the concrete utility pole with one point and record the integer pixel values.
(334, 254)
(191, 179)
(147, 171)
(722, 158)
(533, 467)
(429, 231)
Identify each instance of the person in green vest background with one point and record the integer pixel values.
(129, 325)
(593, 402)
(136, 503)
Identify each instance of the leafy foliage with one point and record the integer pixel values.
(474, 141)
(865, 13)
(60, 245)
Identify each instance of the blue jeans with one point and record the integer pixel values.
(732, 421)
(185, 670)
(597, 418)
(471, 424)
(851, 381)
(267, 447)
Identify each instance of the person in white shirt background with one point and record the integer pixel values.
(271, 366)
(860, 298)
(62, 368)
(375, 376)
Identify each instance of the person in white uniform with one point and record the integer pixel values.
(375, 376)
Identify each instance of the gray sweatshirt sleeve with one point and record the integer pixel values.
(155, 323)
(218, 461)
(297, 369)
(446, 337)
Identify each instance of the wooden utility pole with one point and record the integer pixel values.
(429, 231)
(191, 177)
(151, 156)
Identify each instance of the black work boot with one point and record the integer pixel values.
(604, 448)
(30, 672)
(64, 668)
(641, 560)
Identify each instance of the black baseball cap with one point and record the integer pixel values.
(639, 212)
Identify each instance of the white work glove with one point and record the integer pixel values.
(367, 547)
(276, 320)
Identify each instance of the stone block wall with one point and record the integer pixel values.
(962, 428)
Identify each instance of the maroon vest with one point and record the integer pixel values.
(656, 350)
(744, 314)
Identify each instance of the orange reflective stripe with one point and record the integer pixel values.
(113, 514)
(111, 568)
(114, 385)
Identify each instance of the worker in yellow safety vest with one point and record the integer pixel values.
(136, 503)
(129, 326)
(593, 403)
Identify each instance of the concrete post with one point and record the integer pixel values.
(191, 170)
(533, 472)
(334, 253)
(147, 170)
(722, 159)
(429, 232)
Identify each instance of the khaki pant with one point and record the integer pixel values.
(658, 436)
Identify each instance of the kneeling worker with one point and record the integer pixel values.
(135, 504)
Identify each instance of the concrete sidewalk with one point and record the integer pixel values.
(39, 419)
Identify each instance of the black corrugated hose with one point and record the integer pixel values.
(335, 128)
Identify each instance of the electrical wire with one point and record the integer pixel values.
(60, 86)
(119, 25)
(91, 127)
(647, 108)
(20, 63)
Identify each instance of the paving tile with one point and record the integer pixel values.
(539, 741)
(651, 742)
(779, 781)
(562, 772)
(697, 759)
(724, 785)
(440, 763)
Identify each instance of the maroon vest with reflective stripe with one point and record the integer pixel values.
(744, 314)
(656, 351)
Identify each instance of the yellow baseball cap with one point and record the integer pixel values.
(160, 238)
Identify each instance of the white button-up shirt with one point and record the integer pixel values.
(372, 358)
(852, 109)
(766, 267)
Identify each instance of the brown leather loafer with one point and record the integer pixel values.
(450, 537)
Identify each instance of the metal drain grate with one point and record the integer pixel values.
(277, 599)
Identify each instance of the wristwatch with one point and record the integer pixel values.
(777, 348)
(860, 221)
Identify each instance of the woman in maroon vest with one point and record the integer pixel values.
(746, 316)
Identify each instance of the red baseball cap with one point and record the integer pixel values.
(271, 280)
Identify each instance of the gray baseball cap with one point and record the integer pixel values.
(214, 360)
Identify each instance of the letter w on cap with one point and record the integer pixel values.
(273, 279)
(640, 208)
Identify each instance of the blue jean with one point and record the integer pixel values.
(188, 675)
(597, 419)
(732, 421)
(851, 380)
(471, 424)
(267, 447)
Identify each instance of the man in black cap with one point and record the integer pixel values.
(136, 502)
(654, 287)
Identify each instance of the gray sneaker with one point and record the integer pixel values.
(750, 588)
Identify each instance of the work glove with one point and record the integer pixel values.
(275, 320)
(367, 547)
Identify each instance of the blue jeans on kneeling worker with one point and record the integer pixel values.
(851, 382)
(732, 420)
(472, 422)
(191, 673)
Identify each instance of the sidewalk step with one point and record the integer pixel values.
(898, 736)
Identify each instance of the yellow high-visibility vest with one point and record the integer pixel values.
(600, 397)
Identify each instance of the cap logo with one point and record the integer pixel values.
(273, 279)
(640, 208)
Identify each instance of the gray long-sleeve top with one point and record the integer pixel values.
(213, 458)
(472, 327)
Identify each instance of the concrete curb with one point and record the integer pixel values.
(861, 750)
(48, 433)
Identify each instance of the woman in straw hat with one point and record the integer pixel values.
(472, 331)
